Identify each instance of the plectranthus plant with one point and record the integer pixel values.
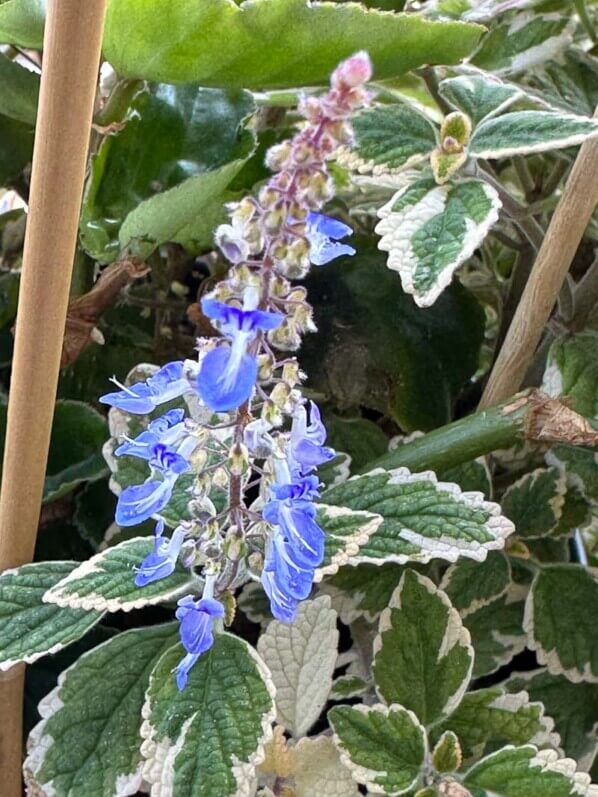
(248, 386)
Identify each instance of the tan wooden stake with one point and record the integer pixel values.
(554, 258)
(71, 56)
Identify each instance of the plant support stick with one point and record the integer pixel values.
(563, 235)
(72, 44)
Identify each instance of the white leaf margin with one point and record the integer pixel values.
(159, 756)
(353, 543)
(396, 229)
(556, 503)
(97, 602)
(448, 548)
(456, 634)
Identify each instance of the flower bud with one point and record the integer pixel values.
(268, 197)
(353, 72)
(265, 365)
(286, 337)
(291, 373)
(227, 599)
(234, 545)
(238, 459)
(273, 221)
(198, 459)
(271, 414)
(280, 396)
(231, 243)
(220, 478)
(278, 156)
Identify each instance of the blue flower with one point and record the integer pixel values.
(141, 501)
(323, 232)
(303, 536)
(143, 397)
(228, 373)
(307, 449)
(166, 429)
(161, 562)
(197, 618)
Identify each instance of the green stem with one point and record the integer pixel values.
(582, 13)
(492, 429)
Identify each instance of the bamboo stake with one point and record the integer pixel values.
(72, 43)
(562, 238)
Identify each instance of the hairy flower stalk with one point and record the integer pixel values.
(242, 395)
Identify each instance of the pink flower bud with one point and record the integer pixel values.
(353, 72)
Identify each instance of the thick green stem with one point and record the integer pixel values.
(530, 415)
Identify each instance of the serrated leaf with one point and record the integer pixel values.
(471, 585)
(479, 96)
(30, 629)
(347, 686)
(429, 230)
(575, 514)
(88, 739)
(525, 132)
(106, 582)
(560, 620)
(383, 747)
(207, 739)
(489, 718)
(319, 771)
(346, 533)
(22, 23)
(580, 466)
(522, 42)
(497, 633)
(301, 658)
(388, 139)
(572, 370)
(515, 771)
(472, 476)
(569, 83)
(422, 655)
(216, 41)
(574, 708)
(423, 519)
(19, 88)
(367, 589)
(535, 502)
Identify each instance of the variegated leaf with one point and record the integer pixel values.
(479, 95)
(572, 370)
(429, 230)
(496, 631)
(535, 502)
(346, 533)
(471, 585)
(423, 519)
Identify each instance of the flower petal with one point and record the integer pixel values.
(222, 392)
(140, 501)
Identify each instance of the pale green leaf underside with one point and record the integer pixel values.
(423, 519)
(107, 581)
(319, 771)
(213, 43)
(522, 42)
(490, 717)
(88, 740)
(524, 132)
(519, 771)
(535, 502)
(479, 96)
(469, 585)
(384, 748)
(29, 628)
(572, 370)
(560, 620)
(422, 655)
(301, 658)
(389, 138)
(429, 230)
(204, 740)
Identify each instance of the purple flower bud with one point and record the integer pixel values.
(353, 72)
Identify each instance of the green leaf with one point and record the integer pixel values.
(389, 138)
(522, 771)
(106, 582)
(560, 620)
(363, 440)
(346, 533)
(422, 655)
(525, 132)
(186, 214)
(574, 708)
(576, 513)
(22, 23)
(362, 591)
(535, 502)
(447, 754)
(88, 740)
(472, 476)
(171, 133)
(16, 147)
(497, 633)
(569, 83)
(19, 88)
(572, 370)
(30, 629)
(522, 42)
(302, 43)
(429, 230)
(347, 686)
(301, 658)
(469, 585)
(423, 519)
(580, 466)
(377, 349)
(489, 718)
(479, 96)
(384, 748)
(206, 740)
